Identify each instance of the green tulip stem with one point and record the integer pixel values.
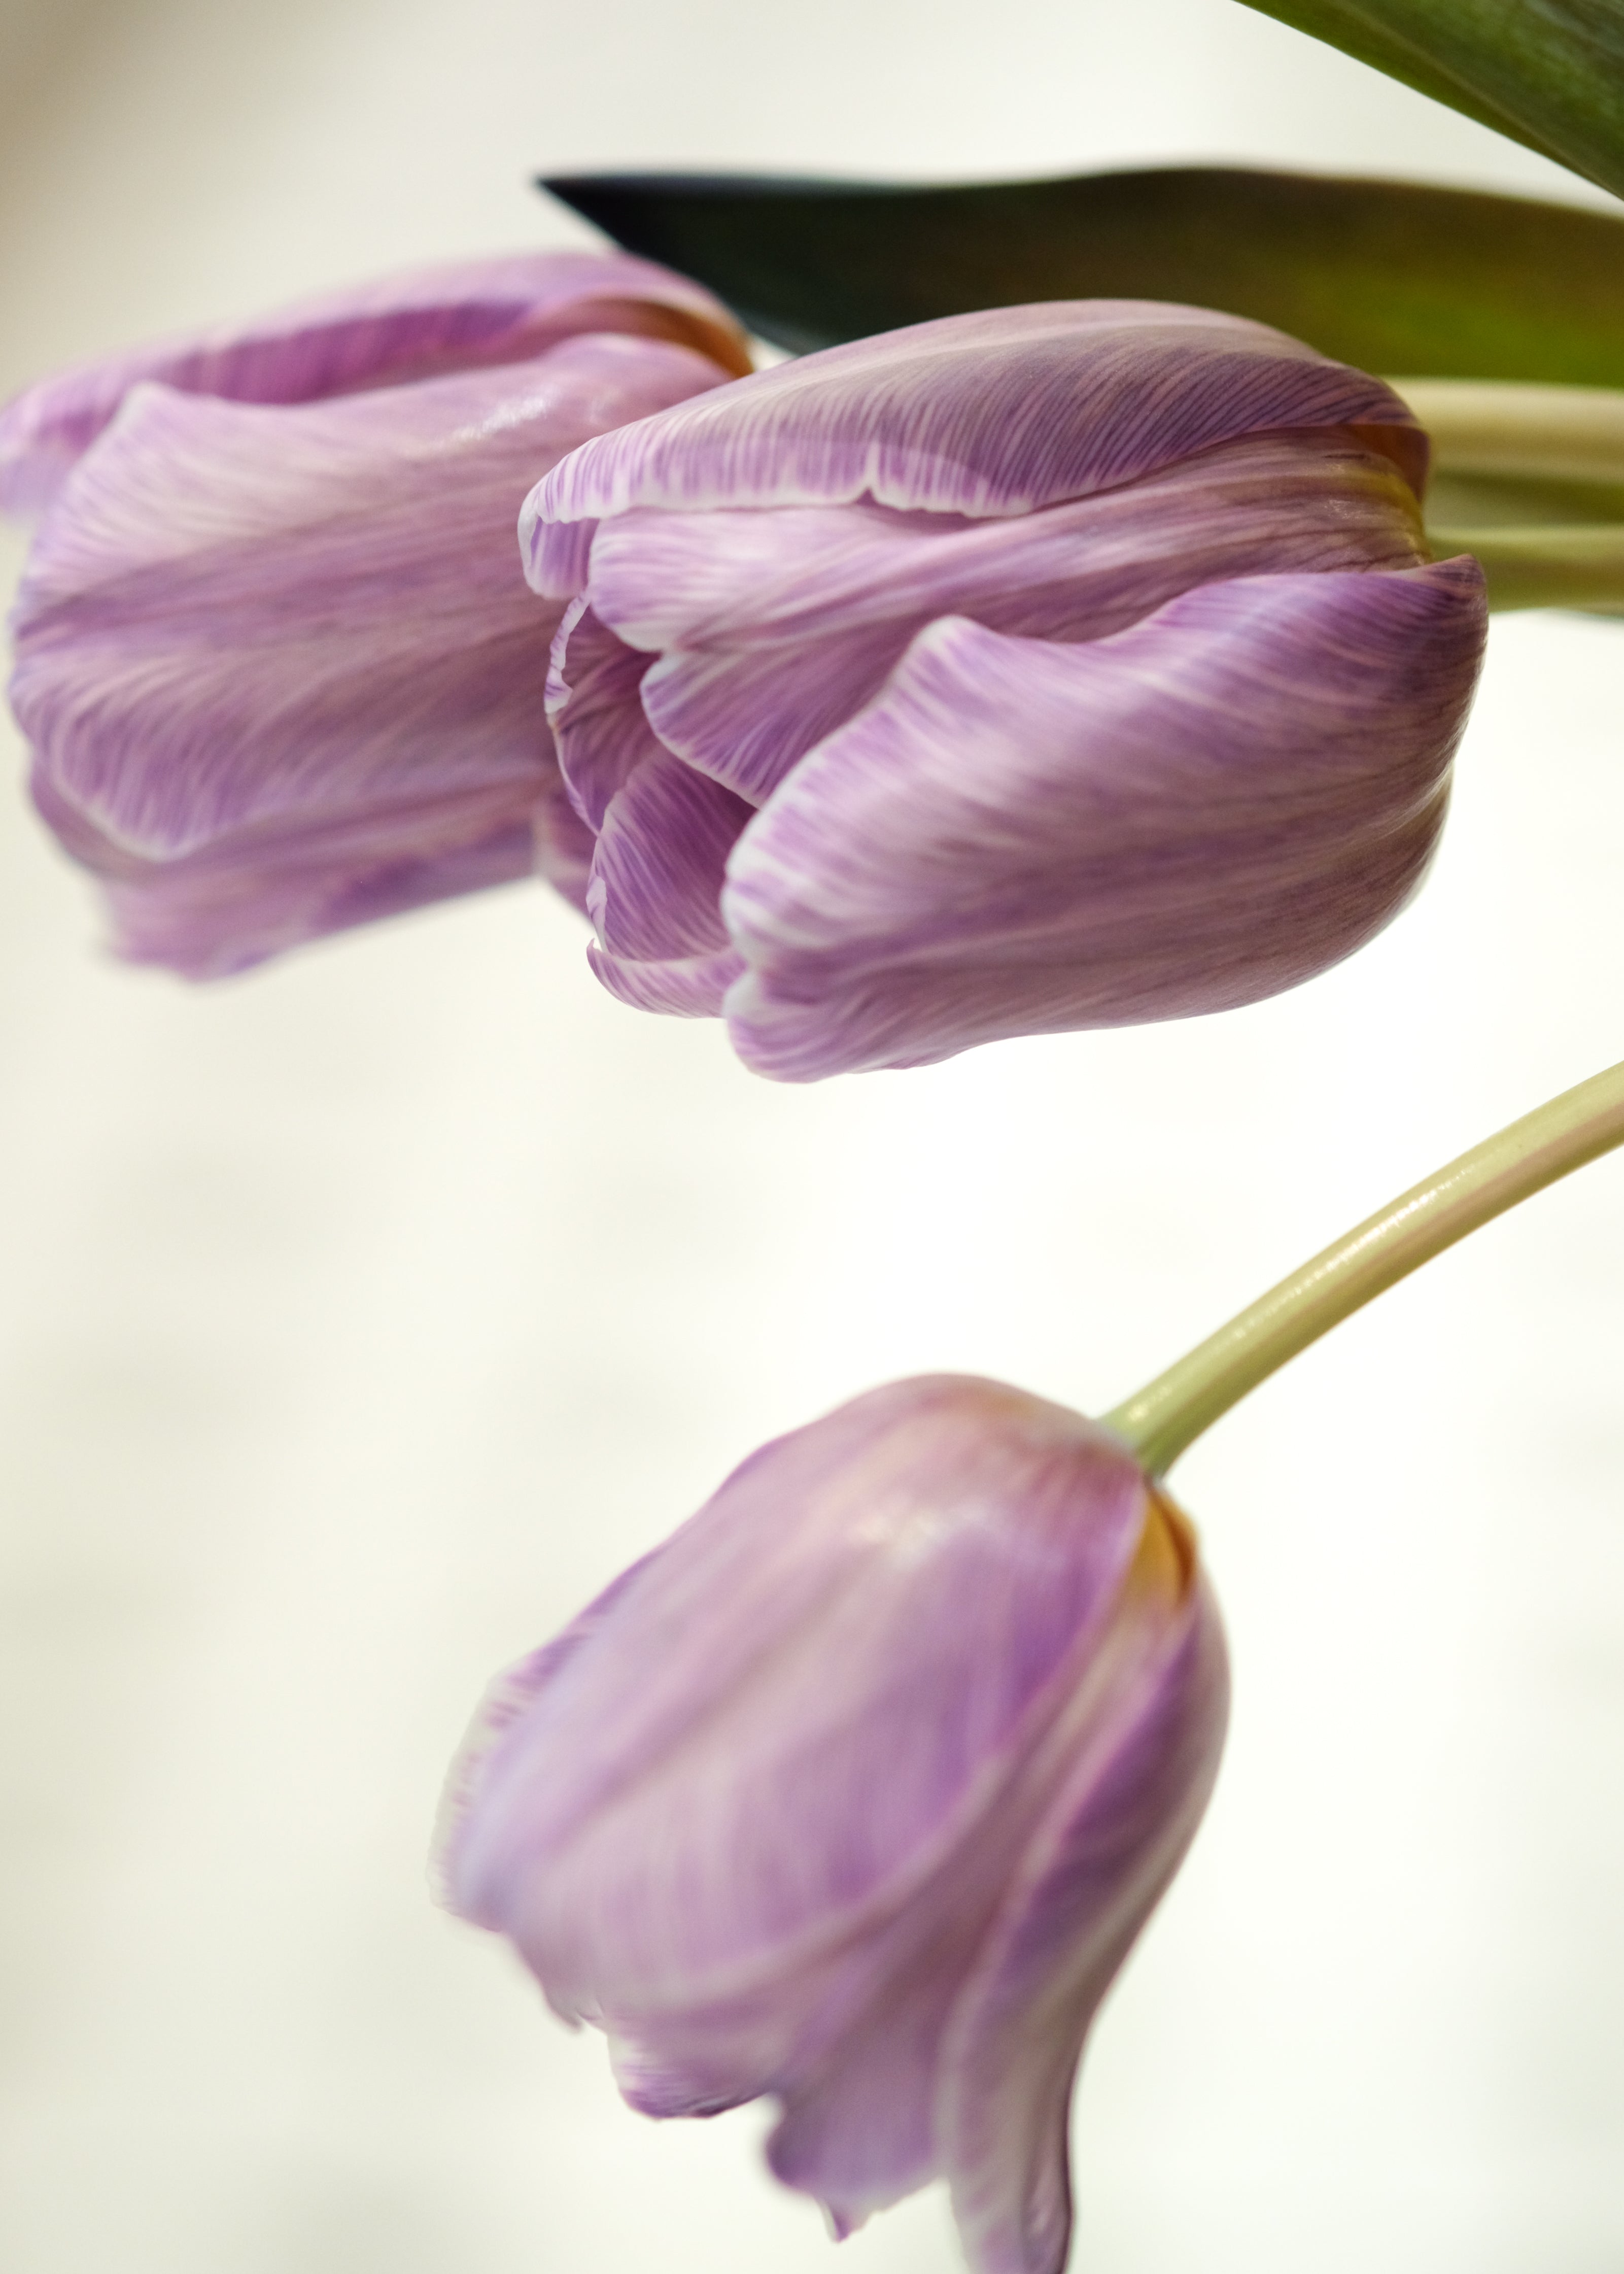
(1579, 566)
(1539, 470)
(1509, 426)
(1174, 1410)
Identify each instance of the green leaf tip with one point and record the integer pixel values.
(1549, 74)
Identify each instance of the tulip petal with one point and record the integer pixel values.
(420, 324)
(594, 710)
(748, 715)
(682, 986)
(998, 412)
(661, 852)
(718, 581)
(1116, 1833)
(505, 1701)
(859, 2135)
(1023, 837)
(777, 626)
(263, 889)
(689, 1810)
(275, 664)
(861, 2121)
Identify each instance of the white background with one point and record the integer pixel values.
(360, 1318)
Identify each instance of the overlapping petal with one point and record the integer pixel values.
(1120, 1822)
(999, 412)
(1020, 836)
(661, 856)
(277, 668)
(773, 629)
(419, 325)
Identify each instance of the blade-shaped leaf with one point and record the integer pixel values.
(1547, 72)
(1393, 276)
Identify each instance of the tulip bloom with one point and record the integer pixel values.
(274, 658)
(858, 1791)
(1049, 667)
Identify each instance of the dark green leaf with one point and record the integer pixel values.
(1393, 276)
(1547, 72)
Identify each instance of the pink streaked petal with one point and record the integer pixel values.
(682, 987)
(717, 582)
(702, 2075)
(594, 710)
(861, 2123)
(556, 556)
(240, 620)
(689, 1810)
(562, 844)
(662, 853)
(262, 891)
(746, 717)
(781, 626)
(1021, 837)
(1117, 1832)
(507, 1700)
(861, 2086)
(998, 412)
(233, 611)
(858, 2135)
(419, 325)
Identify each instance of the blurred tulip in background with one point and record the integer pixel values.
(858, 1791)
(273, 655)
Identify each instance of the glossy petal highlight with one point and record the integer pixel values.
(419, 325)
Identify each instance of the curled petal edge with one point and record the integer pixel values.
(1002, 411)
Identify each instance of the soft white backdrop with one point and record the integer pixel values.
(360, 1318)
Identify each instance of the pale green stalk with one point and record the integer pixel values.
(1171, 1412)
(1530, 479)
(1512, 426)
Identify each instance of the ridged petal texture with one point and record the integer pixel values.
(1042, 668)
(857, 1792)
(275, 659)
(998, 412)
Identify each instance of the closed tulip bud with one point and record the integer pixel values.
(1047, 667)
(274, 657)
(857, 1792)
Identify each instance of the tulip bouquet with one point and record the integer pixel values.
(1076, 628)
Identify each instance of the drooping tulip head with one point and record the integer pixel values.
(274, 658)
(1049, 667)
(857, 1792)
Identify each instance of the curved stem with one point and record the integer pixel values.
(1159, 1420)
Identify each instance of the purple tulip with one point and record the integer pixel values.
(1049, 668)
(858, 1791)
(274, 658)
